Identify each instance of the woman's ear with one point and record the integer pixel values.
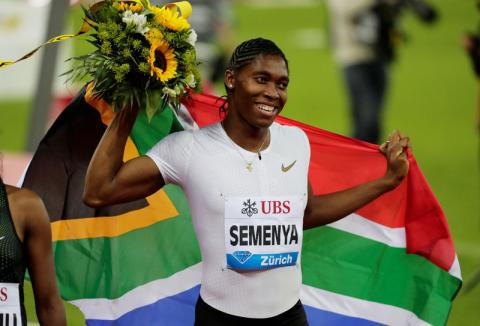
(229, 79)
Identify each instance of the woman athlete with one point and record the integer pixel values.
(246, 181)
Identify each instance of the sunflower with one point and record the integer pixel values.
(170, 18)
(162, 61)
(128, 5)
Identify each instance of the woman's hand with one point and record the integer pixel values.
(395, 150)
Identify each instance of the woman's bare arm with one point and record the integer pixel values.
(328, 208)
(111, 181)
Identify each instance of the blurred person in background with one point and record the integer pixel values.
(471, 44)
(26, 242)
(212, 22)
(364, 33)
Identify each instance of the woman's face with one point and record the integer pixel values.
(258, 90)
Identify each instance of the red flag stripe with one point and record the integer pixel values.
(339, 162)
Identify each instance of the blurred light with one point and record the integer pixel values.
(38, 3)
(281, 3)
(310, 38)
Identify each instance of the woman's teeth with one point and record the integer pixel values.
(265, 108)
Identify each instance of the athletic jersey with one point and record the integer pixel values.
(12, 267)
(212, 171)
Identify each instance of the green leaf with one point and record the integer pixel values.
(145, 3)
(153, 102)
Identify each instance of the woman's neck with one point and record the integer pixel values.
(248, 137)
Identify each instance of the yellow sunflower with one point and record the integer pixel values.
(162, 61)
(170, 18)
(128, 5)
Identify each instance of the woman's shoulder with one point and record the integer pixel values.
(288, 131)
(190, 136)
(22, 196)
(209, 131)
(182, 135)
(27, 210)
(23, 201)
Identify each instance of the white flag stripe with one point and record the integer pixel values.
(455, 269)
(185, 118)
(149, 293)
(392, 237)
(349, 306)
(356, 224)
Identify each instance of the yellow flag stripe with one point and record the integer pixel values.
(159, 208)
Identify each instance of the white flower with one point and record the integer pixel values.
(139, 21)
(190, 81)
(192, 37)
(178, 89)
(127, 17)
(170, 92)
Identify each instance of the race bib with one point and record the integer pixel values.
(263, 232)
(10, 305)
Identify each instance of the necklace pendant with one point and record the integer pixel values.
(249, 167)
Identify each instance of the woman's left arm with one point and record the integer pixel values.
(328, 208)
(38, 242)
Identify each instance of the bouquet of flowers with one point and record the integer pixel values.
(144, 54)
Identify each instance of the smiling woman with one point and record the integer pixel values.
(257, 92)
(246, 181)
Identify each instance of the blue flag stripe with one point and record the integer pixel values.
(179, 310)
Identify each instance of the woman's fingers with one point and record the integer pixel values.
(395, 139)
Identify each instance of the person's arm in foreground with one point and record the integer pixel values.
(328, 208)
(38, 242)
(111, 181)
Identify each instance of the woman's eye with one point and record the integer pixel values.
(283, 85)
(261, 80)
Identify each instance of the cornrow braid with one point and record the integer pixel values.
(247, 51)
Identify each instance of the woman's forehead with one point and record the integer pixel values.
(267, 62)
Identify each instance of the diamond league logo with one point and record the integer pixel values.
(249, 208)
(242, 256)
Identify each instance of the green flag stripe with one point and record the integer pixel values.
(376, 272)
(146, 133)
(109, 267)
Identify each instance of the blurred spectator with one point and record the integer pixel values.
(471, 43)
(364, 33)
(212, 21)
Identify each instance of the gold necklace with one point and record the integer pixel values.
(249, 166)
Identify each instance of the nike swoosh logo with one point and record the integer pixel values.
(288, 167)
(1, 238)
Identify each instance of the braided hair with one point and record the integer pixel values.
(245, 53)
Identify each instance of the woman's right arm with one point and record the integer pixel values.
(109, 180)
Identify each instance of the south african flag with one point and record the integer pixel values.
(392, 262)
